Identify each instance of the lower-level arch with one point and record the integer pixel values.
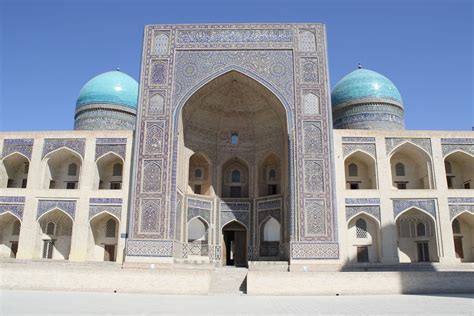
(10, 226)
(463, 236)
(53, 240)
(103, 237)
(416, 231)
(363, 238)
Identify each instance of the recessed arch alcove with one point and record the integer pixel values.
(232, 143)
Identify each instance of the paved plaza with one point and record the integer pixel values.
(74, 303)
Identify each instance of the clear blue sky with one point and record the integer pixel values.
(49, 49)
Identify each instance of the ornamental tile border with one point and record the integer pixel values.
(450, 148)
(234, 206)
(362, 201)
(373, 210)
(119, 149)
(16, 209)
(358, 139)
(105, 201)
(76, 144)
(424, 143)
(112, 209)
(349, 149)
(312, 250)
(150, 248)
(68, 206)
(455, 210)
(445, 141)
(111, 141)
(23, 146)
(199, 212)
(269, 204)
(400, 205)
(461, 200)
(12, 199)
(198, 203)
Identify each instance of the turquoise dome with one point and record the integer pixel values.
(363, 84)
(113, 87)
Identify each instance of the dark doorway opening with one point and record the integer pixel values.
(234, 245)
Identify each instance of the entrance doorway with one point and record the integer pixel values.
(234, 245)
(458, 247)
(109, 252)
(423, 252)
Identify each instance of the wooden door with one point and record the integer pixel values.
(14, 249)
(109, 253)
(362, 254)
(423, 252)
(458, 247)
(240, 247)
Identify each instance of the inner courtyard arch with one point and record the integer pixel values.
(463, 236)
(233, 148)
(459, 170)
(10, 227)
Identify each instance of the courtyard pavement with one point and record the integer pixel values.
(75, 303)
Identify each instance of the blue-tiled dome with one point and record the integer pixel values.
(113, 87)
(364, 84)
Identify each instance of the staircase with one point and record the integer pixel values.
(228, 281)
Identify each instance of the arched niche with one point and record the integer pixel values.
(232, 115)
(10, 227)
(416, 231)
(363, 235)
(14, 171)
(463, 236)
(198, 236)
(103, 237)
(270, 176)
(235, 179)
(459, 168)
(360, 171)
(109, 172)
(270, 237)
(62, 169)
(416, 165)
(200, 175)
(53, 240)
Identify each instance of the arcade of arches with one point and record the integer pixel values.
(233, 147)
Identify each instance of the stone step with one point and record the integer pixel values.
(228, 281)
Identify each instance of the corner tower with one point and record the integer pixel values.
(107, 101)
(365, 99)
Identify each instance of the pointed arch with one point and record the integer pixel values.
(63, 149)
(364, 213)
(418, 209)
(236, 221)
(459, 170)
(53, 210)
(13, 154)
(366, 176)
(101, 214)
(104, 177)
(418, 165)
(243, 71)
(12, 214)
(263, 226)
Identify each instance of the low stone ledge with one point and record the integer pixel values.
(57, 277)
(358, 283)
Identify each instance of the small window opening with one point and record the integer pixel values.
(400, 170)
(72, 170)
(234, 138)
(353, 170)
(117, 170)
(236, 176)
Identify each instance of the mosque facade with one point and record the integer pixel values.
(233, 150)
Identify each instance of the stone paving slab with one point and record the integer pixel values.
(75, 303)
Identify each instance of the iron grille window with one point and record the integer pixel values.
(361, 228)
